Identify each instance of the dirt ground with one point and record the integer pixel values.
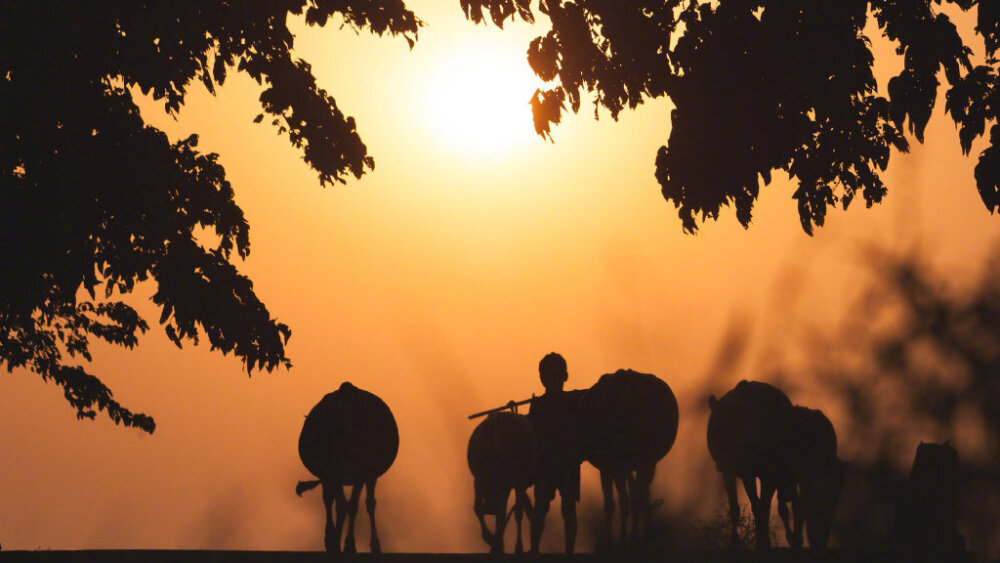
(775, 555)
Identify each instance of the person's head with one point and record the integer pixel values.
(552, 371)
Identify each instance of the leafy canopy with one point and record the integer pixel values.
(92, 198)
(766, 85)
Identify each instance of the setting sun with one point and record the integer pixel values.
(476, 100)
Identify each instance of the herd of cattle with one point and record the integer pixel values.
(628, 422)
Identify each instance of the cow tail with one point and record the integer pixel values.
(304, 486)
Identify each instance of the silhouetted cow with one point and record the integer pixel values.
(814, 477)
(745, 430)
(628, 422)
(502, 455)
(349, 438)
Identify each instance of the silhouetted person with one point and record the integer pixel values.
(745, 431)
(813, 479)
(554, 417)
(348, 438)
(502, 455)
(628, 422)
(927, 511)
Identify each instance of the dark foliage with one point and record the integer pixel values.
(916, 361)
(767, 85)
(94, 199)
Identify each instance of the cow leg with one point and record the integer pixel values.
(621, 484)
(767, 491)
(501, 519)
(331, 543)
(479, 506)
(352, 513)
(800, 518)
(783, 513)
(631, 482)
(787, 496)
(341, 512)
(761, 536)
(331, 534)
(376, 547)
(639, 491)
(761, 510)
(729, 481)
(521, 503)
(608, 489)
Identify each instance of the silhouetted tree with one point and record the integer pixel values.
(918, 360)
(92, 197)
(766, 85)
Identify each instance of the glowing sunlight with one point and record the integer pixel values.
(477, 100)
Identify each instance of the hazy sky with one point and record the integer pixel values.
(437, 282)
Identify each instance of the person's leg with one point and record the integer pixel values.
(569, 522)
(544, 493)
(569, 495)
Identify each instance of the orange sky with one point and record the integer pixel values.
(438, 282)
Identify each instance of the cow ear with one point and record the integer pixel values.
(712, 402)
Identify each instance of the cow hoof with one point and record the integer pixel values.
(376, 547)
(349, 546)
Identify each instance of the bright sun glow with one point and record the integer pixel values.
(477, 100)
